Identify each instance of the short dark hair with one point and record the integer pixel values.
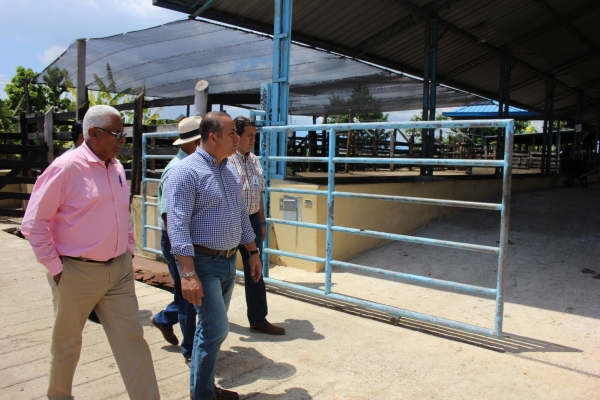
(76, 130)
(241, 123)
(212, 123)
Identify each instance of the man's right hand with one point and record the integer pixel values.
(57, 278)
(191, 288)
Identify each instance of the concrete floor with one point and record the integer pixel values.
(551, 347)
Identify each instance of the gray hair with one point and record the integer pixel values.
(99, 116)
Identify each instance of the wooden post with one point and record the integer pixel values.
(48, 133)
(411, 145)
(312, 146)
(136, 157)
(348, 145)
(81, 89)
(392, 149)
(201, 98)
(26, 95)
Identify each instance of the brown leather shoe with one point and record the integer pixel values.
(167, 333)
(268, 328)
(223, 394)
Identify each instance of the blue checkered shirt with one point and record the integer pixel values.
(205, 205)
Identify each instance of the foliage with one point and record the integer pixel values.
(41, 96)
(7, 124)
(360, 98)
(109, 94)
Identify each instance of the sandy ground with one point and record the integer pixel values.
(551, 347)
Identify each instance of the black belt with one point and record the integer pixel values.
(213, 252)
(88, 260)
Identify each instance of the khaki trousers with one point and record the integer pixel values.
(108, 289)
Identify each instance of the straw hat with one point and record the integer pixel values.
(189, 130)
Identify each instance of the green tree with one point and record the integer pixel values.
(360, 100)
(41, 95)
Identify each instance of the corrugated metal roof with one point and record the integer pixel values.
(545, 37)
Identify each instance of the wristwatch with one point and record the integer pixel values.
(188, 274)
(257, 251)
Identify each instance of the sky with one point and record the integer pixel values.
(33, 33)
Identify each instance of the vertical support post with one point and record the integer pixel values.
(81, 89)
(545, 126)
(282, 40)
(504, 226)
(265, 149)
(349, 144)
(330, 208)
(548, 150)
(200, 98)
(48, 132)
(392, 149)
(136, 173)
(312, 146)
(578, 126)
(426, 93)
(26, 83)
(596, 157)
(144, 184)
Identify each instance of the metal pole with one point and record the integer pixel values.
(81, 89)
(144, 185)
(426, 92)
(432, 91)
(504, 227)
(265, 152)
(545, 127)
(330, 205)
(550, 126)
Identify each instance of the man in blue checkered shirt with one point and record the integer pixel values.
(208, 219)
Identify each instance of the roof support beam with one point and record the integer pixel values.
(468, 36)
(591, 46)
(397, 27)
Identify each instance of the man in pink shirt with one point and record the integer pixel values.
(77, 222)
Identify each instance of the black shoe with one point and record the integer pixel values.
(223, 394)
(167, 333)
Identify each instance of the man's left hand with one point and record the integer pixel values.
(255, 267)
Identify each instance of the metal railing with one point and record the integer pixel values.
(145, 180)
(330, 228)
(331, 194)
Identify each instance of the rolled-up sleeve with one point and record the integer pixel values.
(46, 198)
(181, 191)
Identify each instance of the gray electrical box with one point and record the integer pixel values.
(290, 207)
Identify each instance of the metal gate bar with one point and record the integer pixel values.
(503, 207)
(266, 159)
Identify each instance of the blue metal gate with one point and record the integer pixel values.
(269, 132)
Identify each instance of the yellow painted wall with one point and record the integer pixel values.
(384, 216)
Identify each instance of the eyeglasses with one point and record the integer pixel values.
(118, 135)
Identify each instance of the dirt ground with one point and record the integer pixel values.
(552, 320)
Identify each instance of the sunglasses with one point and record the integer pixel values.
(118, 135)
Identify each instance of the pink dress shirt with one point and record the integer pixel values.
(79, 208)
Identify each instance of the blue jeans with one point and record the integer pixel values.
(217, 275)
(179, 310)
(256, 293)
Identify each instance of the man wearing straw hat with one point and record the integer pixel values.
(179, 310)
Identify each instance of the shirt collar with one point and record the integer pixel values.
(210, 159)
(91, 157)
(181, 154)
(242, 156)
